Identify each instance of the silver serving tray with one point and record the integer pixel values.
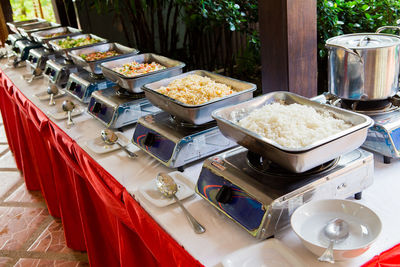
(294, 159)
(54, 43)
(40, 36)
(134, 84)
(28, 29)
(15, 24)
(94, 66)
(198, 114)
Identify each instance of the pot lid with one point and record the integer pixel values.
(365, 40)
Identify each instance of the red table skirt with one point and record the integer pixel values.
(98, 214)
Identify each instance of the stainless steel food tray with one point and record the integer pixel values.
(54, 43)
(28, 29)
(134, 84)
(198, 114)
(40, 36)
(94, 66)
(15, 24)
(294, 159)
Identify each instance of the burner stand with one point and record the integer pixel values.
(267, 167)
(96, 76)
(183, 124)
(124, 94)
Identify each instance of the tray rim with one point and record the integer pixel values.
(74, 54)
(368, 123)
(146, 88)
(180, 65)
(56, 47)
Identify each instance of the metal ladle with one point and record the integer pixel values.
(52, 90)
(68, 106)
(336, 231)
(110, 138)
(167, 186)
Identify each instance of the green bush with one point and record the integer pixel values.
(336, 17)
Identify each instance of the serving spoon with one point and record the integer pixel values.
(68, 106)
(167, 186)
(336, 231)
(110, 138)
(52, 90)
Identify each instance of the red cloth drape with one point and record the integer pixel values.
(97, 212)
(388, 258)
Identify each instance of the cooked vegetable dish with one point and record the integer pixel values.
(70, 42)
(99, 55)
(195, 90)
(55, 34)
(135, 68)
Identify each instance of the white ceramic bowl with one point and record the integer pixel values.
(309, 220)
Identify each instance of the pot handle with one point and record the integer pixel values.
(348, 50)
(364, 38)
(387, 27)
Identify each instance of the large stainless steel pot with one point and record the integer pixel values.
(363, 66)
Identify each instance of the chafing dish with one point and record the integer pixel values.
(40, 36)
(134, 84)
(294, 159)
(198, 114)
(15, 24)
(54, 43)
(28, 29)
(94, 66)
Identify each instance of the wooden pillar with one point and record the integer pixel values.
(288, 33)
(3, 28)
(7, 10)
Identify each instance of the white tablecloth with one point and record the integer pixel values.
(223, 236)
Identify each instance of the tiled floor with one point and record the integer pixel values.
(29, 236)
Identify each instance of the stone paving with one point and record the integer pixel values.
(29, 236)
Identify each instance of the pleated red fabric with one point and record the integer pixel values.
(388, 258)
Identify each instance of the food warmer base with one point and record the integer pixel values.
(22, 48)
(262, 197)
(10, 44)
(116, 108)
(37, 58)
(384, 136)
(176, 143)
(82, 84)
(57, 71)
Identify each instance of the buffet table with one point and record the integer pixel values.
(98, 200)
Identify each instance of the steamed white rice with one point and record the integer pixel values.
(292, 126)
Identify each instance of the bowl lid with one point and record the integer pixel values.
(364, 40)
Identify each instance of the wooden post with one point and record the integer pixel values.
(288, 33)
(7, 10)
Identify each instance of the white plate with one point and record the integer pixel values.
(98, 146)
(269, 253)
(62, 115)
(45, 96)
(150, 192)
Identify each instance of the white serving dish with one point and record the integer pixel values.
(98, 146)
(309, 220)
(269, 253)
(150, 192)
